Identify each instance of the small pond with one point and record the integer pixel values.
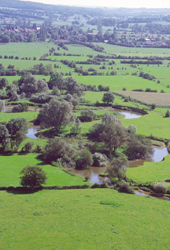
(130, 115)
(32, 131)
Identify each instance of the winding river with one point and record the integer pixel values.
(92, 173)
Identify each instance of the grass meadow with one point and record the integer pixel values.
(152, 124)
(151, 171)
(118, 82)
(11, 166)
(83, 219)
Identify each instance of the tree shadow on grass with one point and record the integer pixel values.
(22, 190)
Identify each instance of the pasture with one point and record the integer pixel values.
(83, 219)
(11, 166)
(151, 171)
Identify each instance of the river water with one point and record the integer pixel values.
(32, 131)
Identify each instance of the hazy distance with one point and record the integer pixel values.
(109, 3)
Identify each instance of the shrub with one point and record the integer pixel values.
(100, 160)
(18, 108)
(84, 159)
(33, 176)
(160, 188)
(125, 188)
(28, 147)
(167, 114)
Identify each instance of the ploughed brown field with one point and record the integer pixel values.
(159, 99)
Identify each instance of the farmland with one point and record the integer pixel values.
(76, 64)
(86, 219)
(159, 99)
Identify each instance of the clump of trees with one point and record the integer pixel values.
(66, 155)
(12, 133)
(56, 114)
(139, 147)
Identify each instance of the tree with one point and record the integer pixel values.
(88, 115)
(2, 105)
(76, 128)
(108, 97)
(139, 147)
(113, 135)
(118, 168)
(30, 84)
(20, 136)
(56, 113)
(58, 150)
(18, 124)
(84, 159)
(33, 177)
(109, 118)
(4, 136)
(73, 87)
(56, 80)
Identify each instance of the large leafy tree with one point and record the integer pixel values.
(118, 168)
(4, 136)
(56, 113)
(15, 125)
(113, 135)
(108, 97)
(30, 84)
(33, 176)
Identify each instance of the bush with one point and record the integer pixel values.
(84, 159)
(18, 108)
(28, 147)
(124, 187)
(32, 177)
(100, 160)
(160, 188)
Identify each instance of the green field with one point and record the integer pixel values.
(83, 219)
(151, 124)
(119, 82)
(12, 165)
(151, 171)
(29, 116)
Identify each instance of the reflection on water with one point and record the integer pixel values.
(92, 174)
(130, 115)
(158, 155)
(32, 131)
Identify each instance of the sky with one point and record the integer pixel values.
(110, 3)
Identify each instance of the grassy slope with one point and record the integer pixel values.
(11, 166)
(151, 171)
(29, 116)
(151, 124)
(83, 219)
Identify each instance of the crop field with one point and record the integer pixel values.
(83, 219)
(159, 99)
(11, 165)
